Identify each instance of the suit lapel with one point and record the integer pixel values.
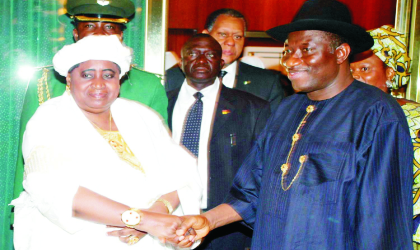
(172, 97)
(224, 110)
(243, 78)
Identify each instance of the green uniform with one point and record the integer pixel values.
(139, 85)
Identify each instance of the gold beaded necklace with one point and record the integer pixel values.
(118, 144)
(285, 168)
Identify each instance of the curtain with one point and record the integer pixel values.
(31, 32)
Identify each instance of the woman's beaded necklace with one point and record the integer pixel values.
(118, 144)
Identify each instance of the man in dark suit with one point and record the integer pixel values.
(229, 121)
(228, 27)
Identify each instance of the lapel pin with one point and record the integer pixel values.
(226, 111)
(232, 140)
(247, 82)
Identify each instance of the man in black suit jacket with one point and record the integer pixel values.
(236, 120)
(228, 27)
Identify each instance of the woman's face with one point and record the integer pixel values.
(95, 85)
(368, 68)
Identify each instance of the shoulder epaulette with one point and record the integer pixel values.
(42, 67)
(43, 83)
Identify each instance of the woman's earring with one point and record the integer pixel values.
(68, 89)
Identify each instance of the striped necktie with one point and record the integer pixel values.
(192, 125)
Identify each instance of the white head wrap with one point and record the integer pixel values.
(107, 48)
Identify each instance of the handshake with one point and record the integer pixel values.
(180, 231)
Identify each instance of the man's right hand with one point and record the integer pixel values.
(204, 223)
(199, 223)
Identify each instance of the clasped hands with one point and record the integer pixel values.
(181, 231)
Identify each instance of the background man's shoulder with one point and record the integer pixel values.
(372, 100)
(46, 72)
(137, 73)
(146, 88)
(44, 84)
(174, 77)
(249, 69)
(369, 94)
(243, 97)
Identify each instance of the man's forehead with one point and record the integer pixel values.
(103, 22)
(203, 43)
(226, 21)
(230, 30)
(305, 36)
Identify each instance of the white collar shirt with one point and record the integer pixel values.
(229, 78)
(185, 100)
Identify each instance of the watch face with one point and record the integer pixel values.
(130, 218)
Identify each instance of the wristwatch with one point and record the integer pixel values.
(132, 217)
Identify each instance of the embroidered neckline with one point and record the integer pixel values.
(118, 144)
(285, 168)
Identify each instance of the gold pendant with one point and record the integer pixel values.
(302, 159)
(310, 108)
(285, 168)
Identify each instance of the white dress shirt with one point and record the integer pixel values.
(185, 100)
(229, 78)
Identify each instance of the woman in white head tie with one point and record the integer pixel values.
(93, 159)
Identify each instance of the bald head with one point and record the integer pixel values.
(201, 60)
